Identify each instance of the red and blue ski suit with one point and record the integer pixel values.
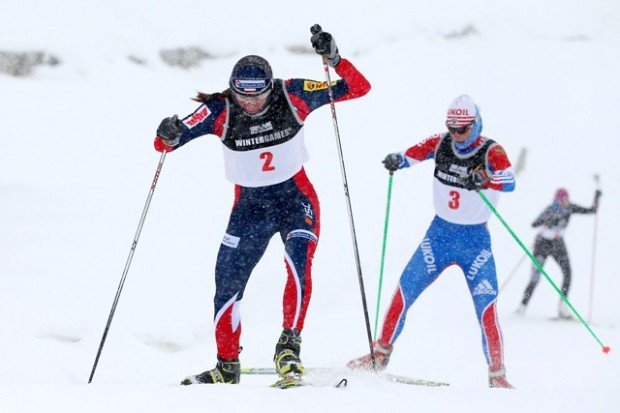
(264, 155)
(458, 235)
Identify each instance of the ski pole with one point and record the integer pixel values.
(605, 349)
(315, 30)
(520, 164)
(594, 236)
(512, 273)
(134, 244)
(383, 247)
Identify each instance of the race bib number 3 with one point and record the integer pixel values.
(455, 198)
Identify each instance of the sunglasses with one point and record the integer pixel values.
(459, 131)
(252, 99)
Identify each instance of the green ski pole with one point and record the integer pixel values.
(385, 232)
(605, 348)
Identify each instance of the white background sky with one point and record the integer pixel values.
(78, 162)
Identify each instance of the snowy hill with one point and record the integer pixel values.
(78, 161)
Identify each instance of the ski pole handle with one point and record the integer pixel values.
(316, 29)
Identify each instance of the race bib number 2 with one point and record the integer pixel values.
(267, 157)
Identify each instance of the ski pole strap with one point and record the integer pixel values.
(383, 248)
(542, 271)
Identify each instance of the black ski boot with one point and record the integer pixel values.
(225, 371)
(287, 352)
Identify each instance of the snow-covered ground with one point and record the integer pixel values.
(77, 163)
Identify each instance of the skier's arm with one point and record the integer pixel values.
(548, 218)
(576, 209)
(502, 175)
(352, 85)
(208, 118)
(539, 221)
(422, 151)
(309, 95)
(417, 153)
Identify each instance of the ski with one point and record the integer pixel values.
(258, 370)
(572, 320)
(394, 378)
(567, 319)
(289, 382)
(294, 380)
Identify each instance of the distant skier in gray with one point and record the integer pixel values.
(550, 241)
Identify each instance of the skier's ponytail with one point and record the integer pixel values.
(202, 97)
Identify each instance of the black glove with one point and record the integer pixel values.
(475, 181)
(597, 196)
(170, 130)
(325, 45)
(393, 162)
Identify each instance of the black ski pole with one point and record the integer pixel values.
(315, 30)
(593, 263)
(134, 244)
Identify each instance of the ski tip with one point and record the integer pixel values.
(288, 382)
(606, 349)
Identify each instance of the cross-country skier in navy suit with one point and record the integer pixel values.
(260, 122)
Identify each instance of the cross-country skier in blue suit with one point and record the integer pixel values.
(465, 162)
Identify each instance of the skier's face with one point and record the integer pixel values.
(460, 134)
(252, 104)
(563, 200)
(561, 197)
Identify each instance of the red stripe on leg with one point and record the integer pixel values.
(226, 337)
(290, 298)
(392, 317)
(493, 334)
